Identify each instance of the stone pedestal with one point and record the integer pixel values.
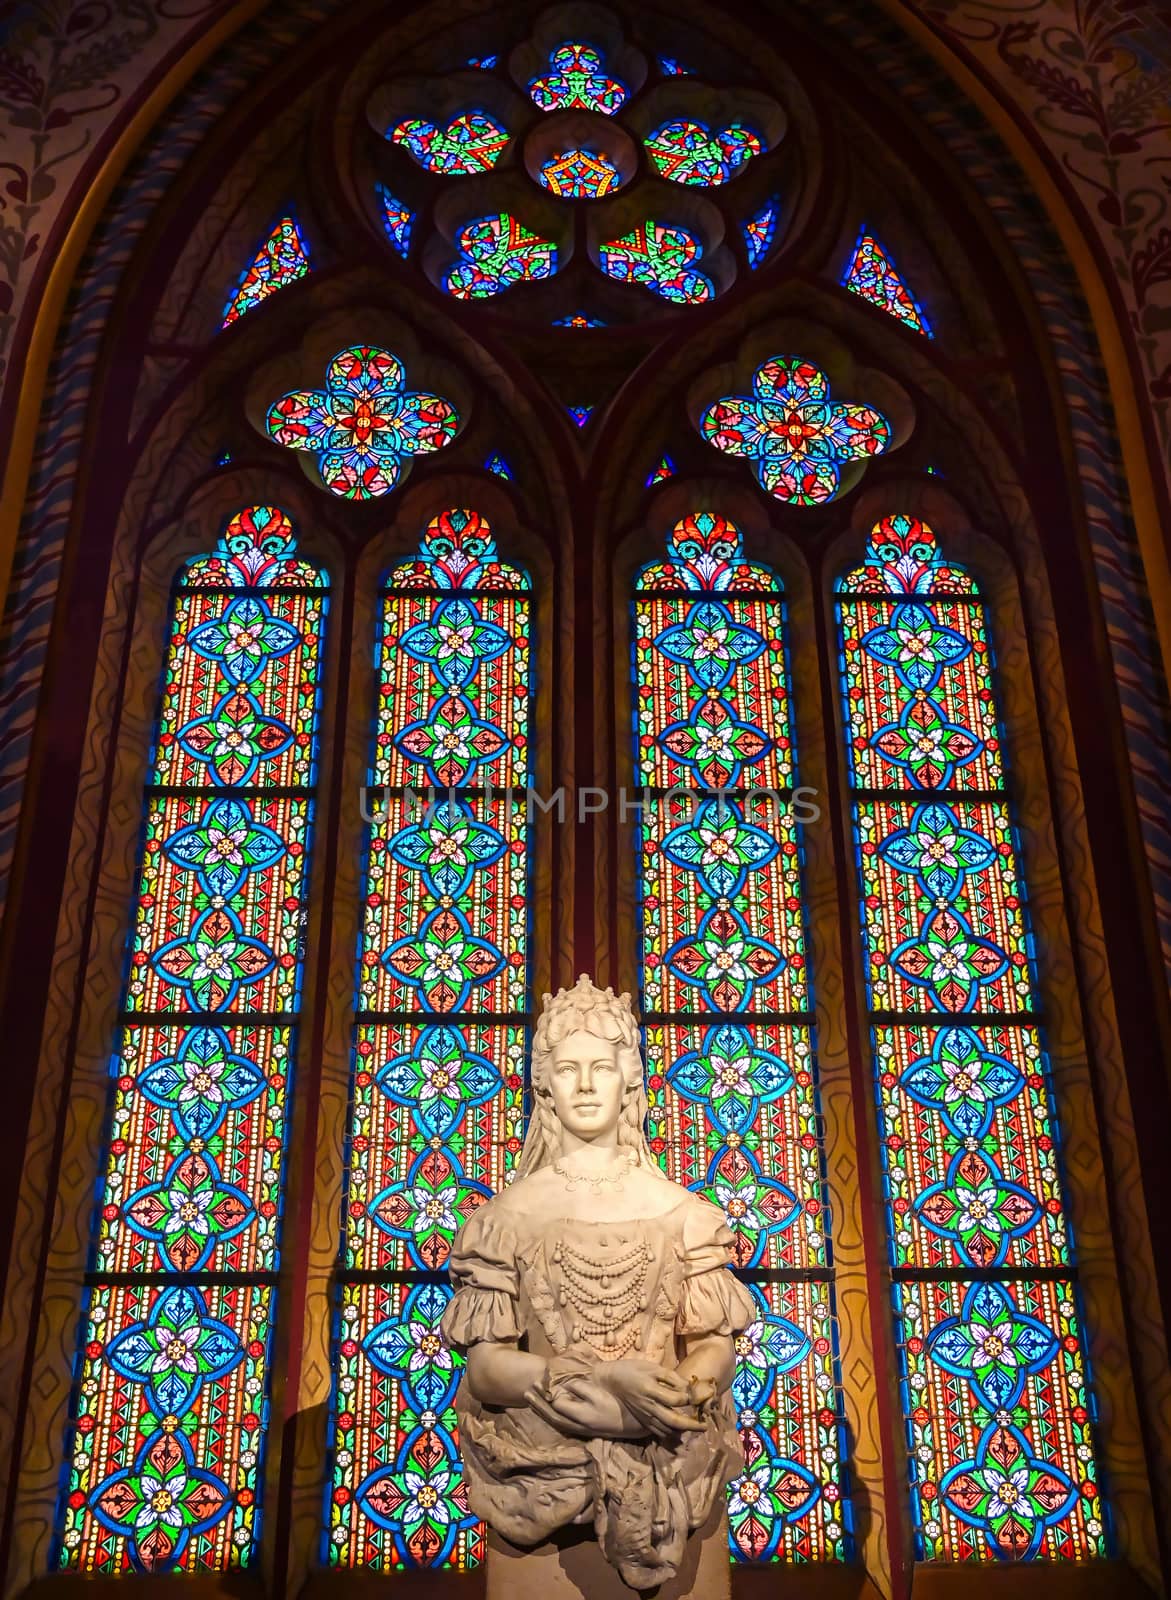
(571, 1567)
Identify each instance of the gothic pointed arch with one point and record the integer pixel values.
(576, 284)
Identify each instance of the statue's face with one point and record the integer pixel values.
(586, 1084)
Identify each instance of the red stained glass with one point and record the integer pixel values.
(281, 260)
(790, 1500)
(915, 683)
(467, 723)
(415, 1085)
(398, 1499)
(170, 1411)
(419, 954)
(946, 1093)
(708, 945)
(436, 1110)
(755, 1081)
(732, 1083)
(998, 1411)
(968, 953)
(1000, 1422)
(227, 1091)
(188, 1443)
(872, 274)
(686, 733)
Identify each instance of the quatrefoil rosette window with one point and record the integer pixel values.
(576, 174)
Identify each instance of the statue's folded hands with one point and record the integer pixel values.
(629, 1399)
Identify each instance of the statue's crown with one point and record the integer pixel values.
(584, 995)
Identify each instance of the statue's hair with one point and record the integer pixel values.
(586, 1009)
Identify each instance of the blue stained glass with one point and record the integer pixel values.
(760, 231)
(169, 1413)
(397, 219)
(998, 1409)
(733, 1105)
(437, 1101)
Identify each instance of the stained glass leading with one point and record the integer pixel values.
(171, 1409)
(494, 254)
(576, 81)
(580, 175)
(662, 258)
(281, 259)
(437, 1098)
(471, 142)
(688, 152)
(997, 1405)
(732, 1082)
(872, 275)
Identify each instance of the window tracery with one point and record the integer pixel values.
(440, 1041)
(999, 1413)
(727, 1009)
(170, 1409)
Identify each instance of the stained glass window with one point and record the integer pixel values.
(670, 68)
(580, 414)
(397, 219)
(872, 274)
(665, 469)
(660, 257)
(471, 142)
(281, 259)
(732, 1077)
(998, 1408)
(436, 1114)
(497, 464)
(796, 437)
(170, 1411)
(687, 152)
(580, 175)
(494, 254)
(576, 81)
(759, 232)
(365, 426)
(578, 320)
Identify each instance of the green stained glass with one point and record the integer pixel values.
(170, 1410)
(1001, 1426)
(998, 1410)
(732, 1084)
(437, 1098)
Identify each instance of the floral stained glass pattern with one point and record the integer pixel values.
(281, 260)
(661, 258)
(732, 1084)
(686, 152)
(872, 274)
(494, 254)
(365, 425)
(437, 1101)
(998, 1408)
(798, 440)
(471, 142)
(171, 1409)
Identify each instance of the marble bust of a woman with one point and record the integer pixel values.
(594, 1302)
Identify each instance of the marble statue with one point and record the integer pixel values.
(597, 1312)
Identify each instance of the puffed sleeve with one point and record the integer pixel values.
(483, 1270)
(712, 1300)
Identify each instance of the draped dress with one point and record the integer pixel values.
(579, 1293)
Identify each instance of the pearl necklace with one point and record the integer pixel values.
(595, 1180)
